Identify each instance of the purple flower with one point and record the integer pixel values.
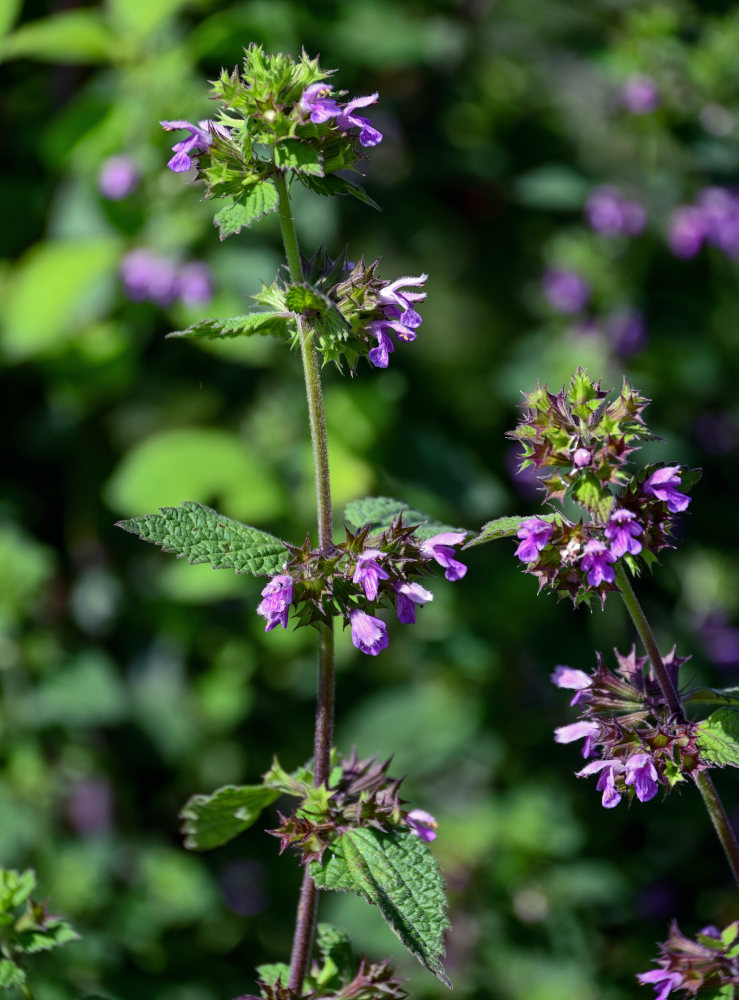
(640, 95)
(621, 532)
(686, 231)
(196, 283)
(663, 982)
(565, 290)
(394, 294)
(720, 211)
(584, 729)
(440, 548)
(607, 771)
(581, 458)
(368, 572)
(201, 136)
(409, 595)
(368, 135)
(662, 485)
(422, 824)
(610, 214)
(577, 680)
(276, 604)
(626, 330)
(369, 634)
(534, 535)
(642, 774)
(147, 275)
(318, 104)
(118, 177)
(596, 563)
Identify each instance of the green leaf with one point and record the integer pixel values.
(713, 696)
(15, 888)
(718, 739)
(292, 154)
(273, 973)
(251, 206)
(397, 873)
(205, 536)
(56, 932)
(332, 185)
(212, 820)
(76, 277)
(380, 512)
(506, 527)
(275, 324)
(10, 974)
(72, 36)
(10, 11)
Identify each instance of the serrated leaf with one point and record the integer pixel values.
(251, 206)
(212, 820)
(718, 739)
(15, 887)
(275, 324)
(291, 154)
(396, 872)
(507, 527)
(300, 298)
(273, 973)
(331, 186)
(380, 512)
(54, 935)
(202, 535)
(10, 974)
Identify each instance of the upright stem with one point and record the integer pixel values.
(311, 373)
(703, 781)
(308, 903)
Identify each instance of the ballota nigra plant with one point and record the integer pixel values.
(281, 122)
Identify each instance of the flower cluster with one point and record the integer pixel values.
(711, 961)
(357, 577)
(580, 442)
(152, 277)
(352, 312)
(637, 745)
(712, 220)
(611, 214)
(360, 794)
(274, 114)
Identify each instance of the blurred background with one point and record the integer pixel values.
(565, 173)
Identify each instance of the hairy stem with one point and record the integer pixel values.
(704, 783)
(308, 903)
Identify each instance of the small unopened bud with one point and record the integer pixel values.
(582, 457)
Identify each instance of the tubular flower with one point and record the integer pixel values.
(642, 774)
(596, 562)
(534, 535)
(621, 532)
(317, 103)
(369, 634)
(276, 604)
(577, 680)
(368, 134)
(201, 136)
(440, 549)
(423, 824)
(607, 771)
(398, 316)
(663, 484)
(369, 572)
(409, 595)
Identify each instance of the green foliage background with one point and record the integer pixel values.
(131, 681)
